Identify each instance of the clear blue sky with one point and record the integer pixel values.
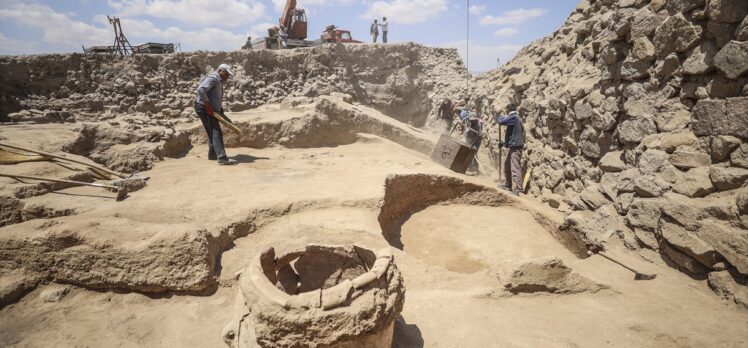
(497, 28)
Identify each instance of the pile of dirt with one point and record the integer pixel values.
(636, 114)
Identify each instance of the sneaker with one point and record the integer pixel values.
(504, 187)
(225, 161)
(516, 193)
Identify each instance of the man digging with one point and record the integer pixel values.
(209, 99)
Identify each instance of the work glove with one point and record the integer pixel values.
(209, 109)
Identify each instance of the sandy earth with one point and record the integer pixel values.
(450, 261)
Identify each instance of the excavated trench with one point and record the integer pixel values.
(407, 195)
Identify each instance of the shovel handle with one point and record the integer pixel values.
(30, 177)
(51, 155)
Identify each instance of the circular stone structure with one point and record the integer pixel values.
(317, 296)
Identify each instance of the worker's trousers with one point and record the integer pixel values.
(513, 169)
(213, 129)
(384, 36)
(374, 38)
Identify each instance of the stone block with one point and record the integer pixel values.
(732, 59)
(728, 178)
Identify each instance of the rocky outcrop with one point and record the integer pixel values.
(642, 106)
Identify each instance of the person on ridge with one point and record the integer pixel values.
(208, 99)
(384, 26)
(374, 30)
(514, 140)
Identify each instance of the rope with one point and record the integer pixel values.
(467, 50)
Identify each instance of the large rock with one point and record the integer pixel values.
(732, 59)
(726, 285)
(695, 183)
(653, 161)
(644, 22)
(669, 142)
(637, 108)
(644, 213)
(741, 34)
(721, 146)
(593, 198)
(643, 50)
(671, 120)
(688, 243)
(728, 11)
(582, 111)
(667, 66)
(728, 178)
(634, 130)
(687, 157)
(730, 242)
(687, 263)
(612, 162)
(721, 117)
(722, 32)
(676, 34)
(701, 59)
(635, 69)
(650, 186)
(739, 157)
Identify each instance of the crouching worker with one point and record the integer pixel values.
(207, 102)
(514, 140)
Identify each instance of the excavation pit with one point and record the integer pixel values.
(317, 295)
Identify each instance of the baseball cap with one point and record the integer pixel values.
(227, 67)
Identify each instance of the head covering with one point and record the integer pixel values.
(228, 69)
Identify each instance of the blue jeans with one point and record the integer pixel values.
(213, 129)
(384, 36)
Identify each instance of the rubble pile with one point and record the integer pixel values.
(399, 80)
(636, 114)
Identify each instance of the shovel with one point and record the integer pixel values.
(121, 191)
(637, 275)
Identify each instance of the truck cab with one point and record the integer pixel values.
(337, 35)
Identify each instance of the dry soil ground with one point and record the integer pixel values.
(452, 260)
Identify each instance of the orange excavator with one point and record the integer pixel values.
(292, 32)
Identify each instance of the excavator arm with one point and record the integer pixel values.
(288, 11)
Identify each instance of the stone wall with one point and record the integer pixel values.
(636, 114)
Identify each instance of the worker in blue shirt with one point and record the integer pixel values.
(514, 140)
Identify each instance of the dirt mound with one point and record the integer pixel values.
(546, 275)
(635, 114)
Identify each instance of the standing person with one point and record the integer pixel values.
(209, 98)
(384, 26)
(473, 126)
(444, 113)
(514, 140)
(374, 30)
